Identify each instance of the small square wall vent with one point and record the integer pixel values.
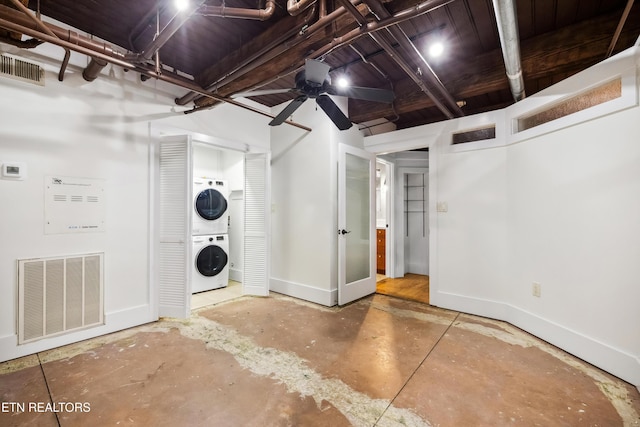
(19, 69)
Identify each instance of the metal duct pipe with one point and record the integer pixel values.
(507, 21)
(295, 7)
(91, 72)
(171, 79)
(236, 12)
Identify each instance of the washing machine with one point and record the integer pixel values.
(210, 262)
(211, 206)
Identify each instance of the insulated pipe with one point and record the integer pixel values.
(15, 17)
(399, 17)
(137, 30)
(178, 20)
(171, 79)
(236, 12)
(91, 72)
(505, 11)
(404, 15)
(185, 99)
(295, 7)
(42, 25)
(322, 8)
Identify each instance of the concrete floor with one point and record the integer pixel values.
(278, 361)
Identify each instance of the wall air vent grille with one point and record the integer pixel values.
(19, 69)
(474, 135)
(59, 295)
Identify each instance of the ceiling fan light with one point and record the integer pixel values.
(343, 81)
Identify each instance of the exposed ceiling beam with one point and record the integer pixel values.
(561, 51)
(343, 32)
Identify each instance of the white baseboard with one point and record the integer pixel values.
(235, 274)
(617, 362)
(114, 321)
(325, 297)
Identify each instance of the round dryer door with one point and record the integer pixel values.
(211, 260)
(210, 204)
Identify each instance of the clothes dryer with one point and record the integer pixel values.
(210, 262)
(211, 206)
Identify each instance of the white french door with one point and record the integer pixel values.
(356, 224)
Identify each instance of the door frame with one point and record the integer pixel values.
(417, 141)
(402, 171)
(390, 254)
(348, 292)
(156, 132)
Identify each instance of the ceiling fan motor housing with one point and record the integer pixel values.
(310, 88)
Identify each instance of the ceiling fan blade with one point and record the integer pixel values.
(288, 110)
(363, 93)
(261, 92)
(315, 71)
(334, 112)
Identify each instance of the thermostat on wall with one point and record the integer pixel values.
(14, 170)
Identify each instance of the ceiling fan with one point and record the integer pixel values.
(314, 82)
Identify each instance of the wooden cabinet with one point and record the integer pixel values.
(380, 252)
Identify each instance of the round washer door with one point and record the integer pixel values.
(211, 260)
(210, 204)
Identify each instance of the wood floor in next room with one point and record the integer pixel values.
(414, 287)
(278, 361)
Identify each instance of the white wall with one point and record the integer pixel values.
(79, 129)
(574, 205)
(95, 130)
(558, 206)
(304, 205)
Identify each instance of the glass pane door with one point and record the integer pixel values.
(356, 224)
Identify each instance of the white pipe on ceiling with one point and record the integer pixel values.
(506, 18)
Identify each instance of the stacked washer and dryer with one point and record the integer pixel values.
(209, 232)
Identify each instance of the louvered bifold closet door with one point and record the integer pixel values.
(174, 218)
(257, 187)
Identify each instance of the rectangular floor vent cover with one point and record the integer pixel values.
(59, 295)
(22, 70)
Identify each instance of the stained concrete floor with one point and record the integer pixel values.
(278, 361)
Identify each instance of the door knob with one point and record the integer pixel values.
(343, 232)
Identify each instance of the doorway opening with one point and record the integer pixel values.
(403, 234)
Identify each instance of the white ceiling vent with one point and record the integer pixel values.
(22, 70)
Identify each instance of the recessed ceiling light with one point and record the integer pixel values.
(181, 4)
(436, 49)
